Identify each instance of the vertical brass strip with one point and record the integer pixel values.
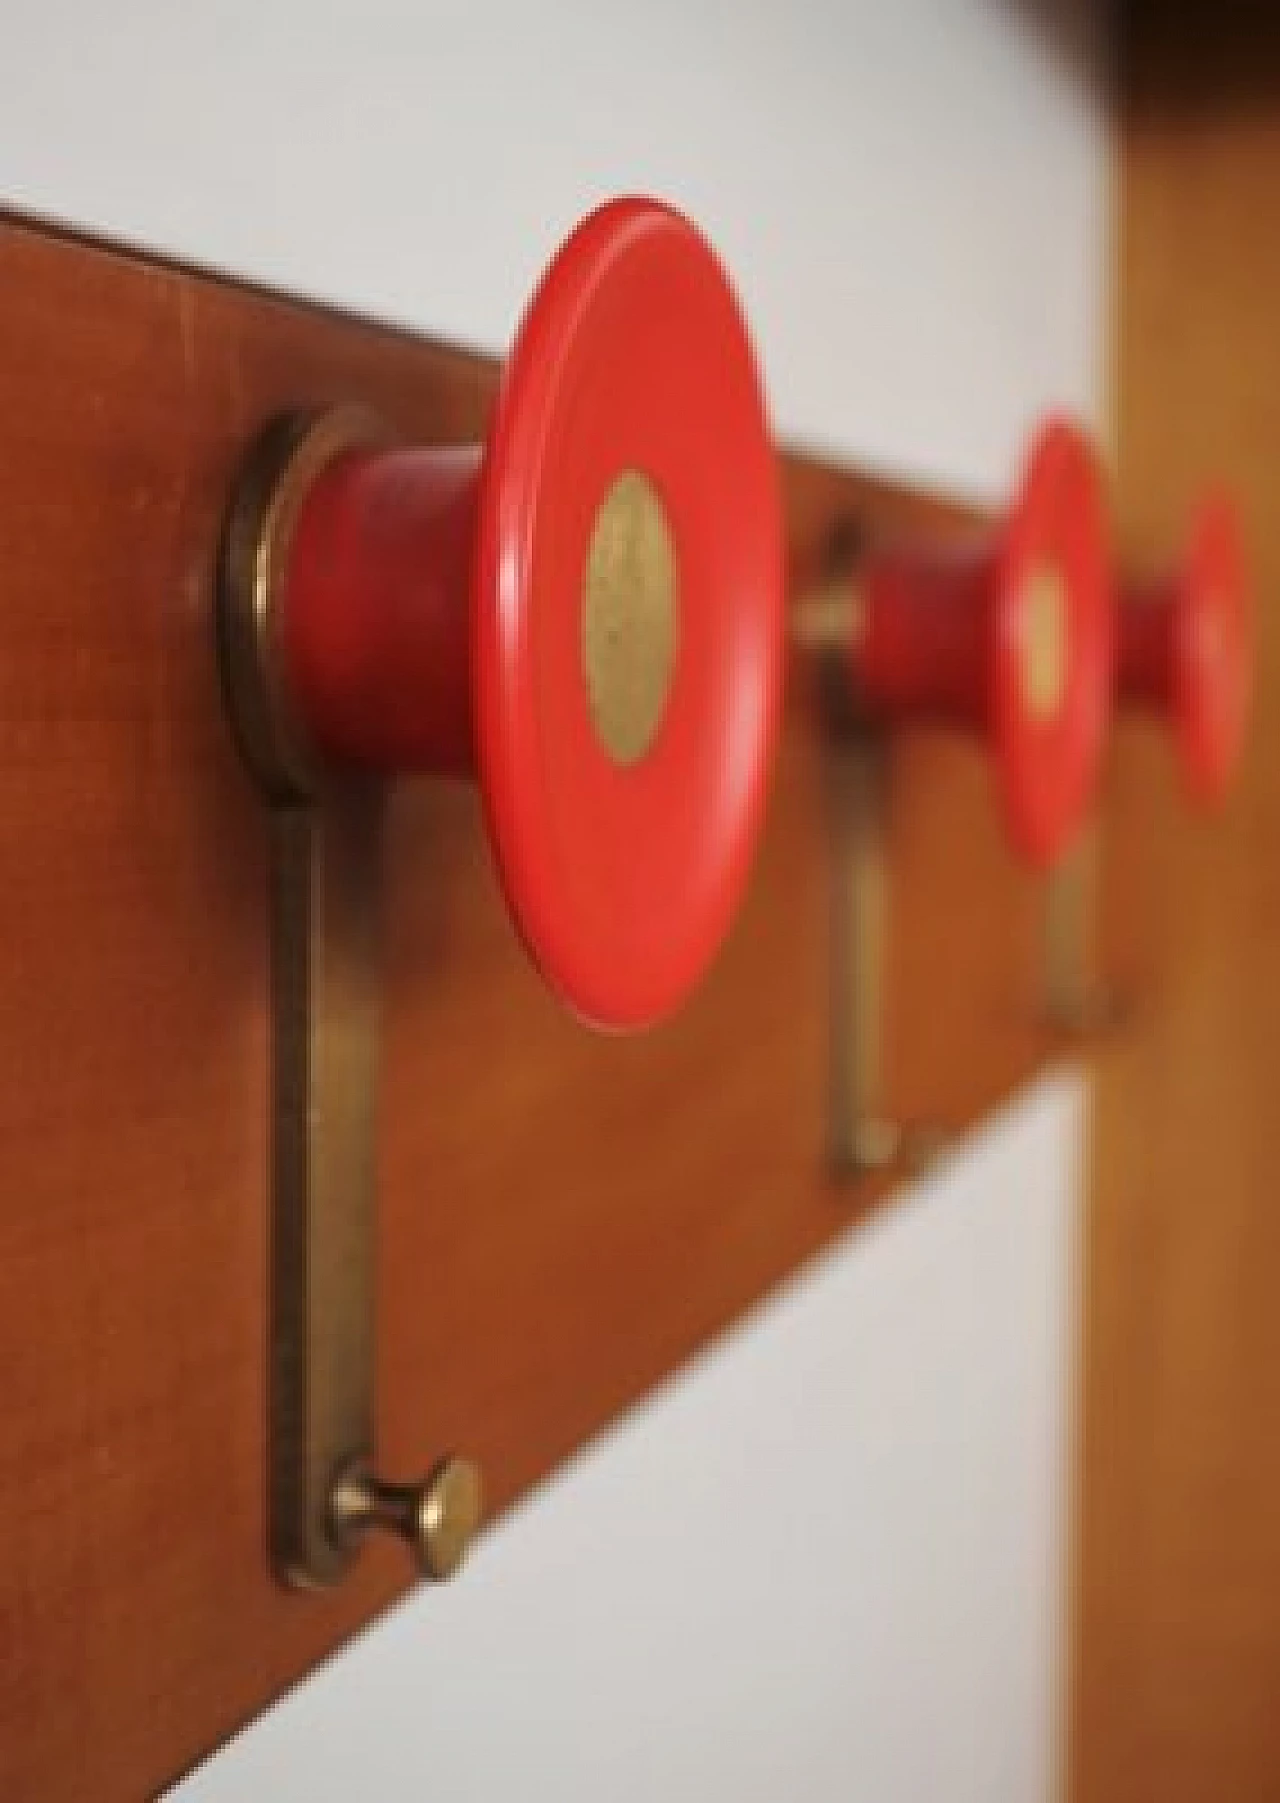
(843, 996)
(325, 960)
(1072, 998)
(859, 1137)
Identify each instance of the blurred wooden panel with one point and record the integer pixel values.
(564, 1218)
(1178, 1693)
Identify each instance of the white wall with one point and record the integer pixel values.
(828, 1563)
(911, 194)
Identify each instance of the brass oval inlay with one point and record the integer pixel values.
(1044, 640)
(630, 617)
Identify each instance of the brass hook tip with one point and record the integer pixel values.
(1096, 1015)
(925, 1146)
(438, 1518)
(448, 1513)
(877, 1146)
(880, 1148)
(872, 1152)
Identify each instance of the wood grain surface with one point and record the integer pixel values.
(563, 1218)
(1178, 1669)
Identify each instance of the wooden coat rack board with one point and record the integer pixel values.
(564, 1219)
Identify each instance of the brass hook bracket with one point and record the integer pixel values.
(326, 864)
(862, 1140)
(1077, 1003)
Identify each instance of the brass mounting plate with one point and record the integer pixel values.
(326, 861)
(862, 1139)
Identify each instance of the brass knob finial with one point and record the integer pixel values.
(437, 1518)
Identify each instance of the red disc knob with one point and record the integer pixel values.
(1010, 637)
(586, 613)
(1187, 649)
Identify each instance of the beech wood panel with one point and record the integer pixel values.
(563, 1218)
(1178, 1669)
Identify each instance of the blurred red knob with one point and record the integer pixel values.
(1010, 637)
(1187, 649)
(586, 613)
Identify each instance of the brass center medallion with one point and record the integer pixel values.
(1044, 641)
(630, 617)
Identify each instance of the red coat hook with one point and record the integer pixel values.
(585, 612)
(1010, 638)
(1187, 649)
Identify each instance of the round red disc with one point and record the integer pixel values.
(623, 872)
(1212, 650)
(1049, 733)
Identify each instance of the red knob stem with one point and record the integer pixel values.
(1145, 664)
(375, 618)
(923, 646)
